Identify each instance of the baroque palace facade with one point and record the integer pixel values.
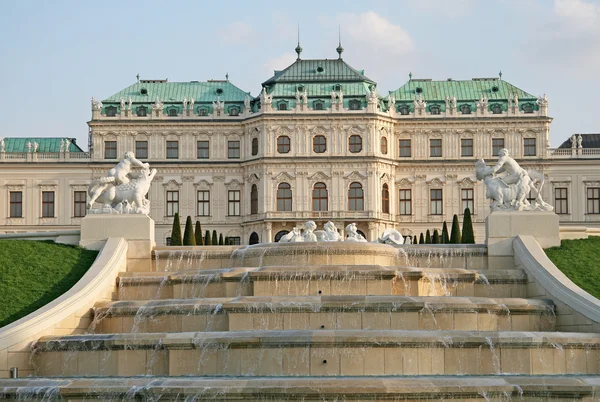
(319, 143)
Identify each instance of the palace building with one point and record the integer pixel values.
(318, 143)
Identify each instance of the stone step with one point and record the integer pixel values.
(319, 353)
(323, 280)
(247, 313)
(558, 388)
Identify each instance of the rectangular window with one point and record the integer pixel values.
(233, 148)
(110, 149)
(233, 203)
(435, 148)
(466, 196)
(466, 147)
(593, 200)
(172, 149)
(141, 149)
(405, 202)
(204, 203)
(405, 148)
(202, 148)
(235, 240)
(529, 147)
(172, 203)
(16, 204)
(497, 145)
(79, 200)
(561, 201)
(436, 201)
(47, 204)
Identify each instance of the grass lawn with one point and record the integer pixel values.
(580, 261)
(33, 273)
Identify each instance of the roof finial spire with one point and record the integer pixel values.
(227, 76)
(500, 74)
(410, 76)
(298, 48)
(339, 49)
(138, 77)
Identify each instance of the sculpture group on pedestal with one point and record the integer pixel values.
(122, 190)
(510, 190)
(331, 234)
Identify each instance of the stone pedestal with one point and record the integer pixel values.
(501, 227)
(137, 229)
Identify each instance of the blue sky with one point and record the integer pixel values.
(56, 55)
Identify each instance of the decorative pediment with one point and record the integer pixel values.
(172, 185)
(319, 130)
(355, 176)
(203, 185)
(47, 186)
(467, 182)
(591, 183)
(79, 187)
(283, 177)
(284, 130)
(15, 186)
(434, 134)
(435, 182)
(405, 182)
(234, 184)
(355, 130)
(253, 178)
(319, 176)
(385, 178)
(562, 183)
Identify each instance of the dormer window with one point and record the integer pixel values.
(318, 105)
(404, 110)
(234, 111)
(282, 105)
(141, 111)
(219, 91)
(144, 91)
(434, 109)
(203, 112)
(528, 108)
(320, 69)
(419, 90)
(496, 108)
(465, 109)
(337, 87)
(172, 112)
(354, 104)
(110, 111)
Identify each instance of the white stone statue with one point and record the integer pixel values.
(121, 184)
(573, 141)
(122, 104)
(419, 103)
(2, 145)
(247, 102)
(333, 96)
(391, 236)
(67, 145)
(309, 228)
(516, 100)
(35, 146)
(158, 105)
(96, 104)
(305, 96)
(29, 145)
(391, 102)
(329, 234)
(185, 103)
(130, 103)
(509, 191)
(482, 104)
(579, 141)
(62, 145)
(447, 102)
(297, 96)
(352, 234)
(341, 97)
(292, 237)
(510, 101)
(542, 101)
(373, 97)
(265, 98)
(218, 105)
(453, 102)
(192, 101)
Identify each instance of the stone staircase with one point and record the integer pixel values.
(318, 322)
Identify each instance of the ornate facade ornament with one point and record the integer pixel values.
(482, 105)
(158, 105)
(372, 96)
(352, 234)
(96, 104)
(419, 105)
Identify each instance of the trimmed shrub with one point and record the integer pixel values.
(227, 242)
(207, 241)
(221, 242)
(414, 240)
(455, 233)
(421, 239)
(445, 236)
(215, 239)
(468, 237)
(427, 237)
(188, 233)
(198, 234)
(436, 237)
(176, 231)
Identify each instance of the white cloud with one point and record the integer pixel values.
(279, 62)
(578, 16)
(238, 32)
(452, 8)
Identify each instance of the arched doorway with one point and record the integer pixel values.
(280, 234)
(253, 238)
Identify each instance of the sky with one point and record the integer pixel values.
(55, 55)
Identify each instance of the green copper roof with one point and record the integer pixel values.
(174, 92)
(318, 71)
(19, 144)
(321, 90)
(472, 90)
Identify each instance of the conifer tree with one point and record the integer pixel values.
(227, 242)
(455, 232)
(468, 237)
(427, 237)
(436, 237)
(215, 239)
(198, 234)
(207, 241)
(221, 243)
(188, 233)
(176, 231)
(445, 237)
(421, 239)
(414, 240)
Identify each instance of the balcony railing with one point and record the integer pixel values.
(574, 153)
(44, 156)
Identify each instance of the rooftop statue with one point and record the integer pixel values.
(96, 104)
(121, 185)
(509, 191)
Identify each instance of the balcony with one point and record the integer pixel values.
(44, 156)
(574, 153)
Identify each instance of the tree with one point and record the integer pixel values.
(221, 243)
(468, 237)
(414, 240)
(455, 233)
(207, 241)
(421, 239)
(445, 237)
(227, 242)
(188, 233)
(427, 237)
(198, 234)
(215, 239)
(436, 237)
(176, 231)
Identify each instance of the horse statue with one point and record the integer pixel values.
(510, 192)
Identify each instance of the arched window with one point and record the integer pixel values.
(528, 108)
(319, 144)
(283, 144)
(254, 200)
(141, 111)
(284, 197)
(253, 238)
(355, 144)
(110, 111)
(496, 109)
(254, 146)
(202, 112)
(234, 111)
(465, 109)
(354, 104)
(384, 145)
(172, 112)
(319, 197)
(318, 105)
(280, 234)
(385, 199)
(434, 109)
(282, 106)
(356, 197)
(404, 110)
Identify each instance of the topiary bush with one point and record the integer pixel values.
(445, 236)
(176, 231)
(468, 237)
(421, 238)
(207, 241)
(436, 237)
(198, 234)
(427, 237)
(455, 233)
(215, 239)
(188, 234)
(221, 242)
